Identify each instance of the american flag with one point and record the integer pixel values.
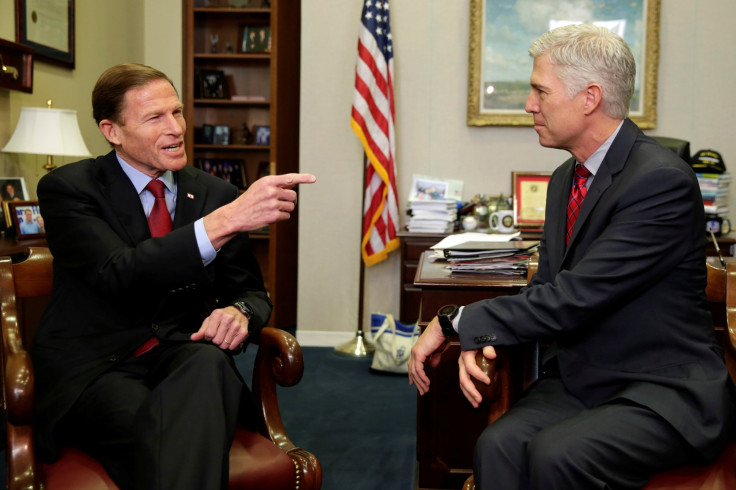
(372, 119)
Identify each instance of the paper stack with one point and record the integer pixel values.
(432, 216)
(714, 188)
(473, 252)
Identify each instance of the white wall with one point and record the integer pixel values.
(431, 49)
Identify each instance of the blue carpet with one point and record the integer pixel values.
(360, 425)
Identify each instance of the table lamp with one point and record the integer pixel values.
(47, 132)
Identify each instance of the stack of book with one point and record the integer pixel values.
(714, 188)
(479, 255)
(435, 216)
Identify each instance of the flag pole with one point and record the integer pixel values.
(358, 346)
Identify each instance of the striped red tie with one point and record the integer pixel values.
(159, 221)
(576, 198)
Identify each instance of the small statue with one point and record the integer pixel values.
(214, 39)
(245, 137)
(228, 47)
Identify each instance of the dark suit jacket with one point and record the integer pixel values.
(115, 286)
(625, 304)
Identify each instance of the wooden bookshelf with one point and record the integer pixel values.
(270, 82)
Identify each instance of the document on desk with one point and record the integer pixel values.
(452, 241)
(475, 251)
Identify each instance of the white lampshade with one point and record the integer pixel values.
(47, 132)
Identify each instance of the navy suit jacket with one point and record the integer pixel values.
(624, 305)
(115, 286)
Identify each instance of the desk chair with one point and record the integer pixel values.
(720, 475)
(680, 147)
(267, 460)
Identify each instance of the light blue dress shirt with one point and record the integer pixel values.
(141, 180)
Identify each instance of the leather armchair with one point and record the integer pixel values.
(681, 147)
(720, 475)
(267, 460)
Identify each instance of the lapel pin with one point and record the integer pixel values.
(190, 196)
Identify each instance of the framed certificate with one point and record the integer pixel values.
(529, 191)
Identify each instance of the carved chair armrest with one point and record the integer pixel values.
(17, 367)
(279, 361)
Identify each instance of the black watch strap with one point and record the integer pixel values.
(244, 308)
(445, 315)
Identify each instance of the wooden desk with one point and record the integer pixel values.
(447, 425)
(13, 247)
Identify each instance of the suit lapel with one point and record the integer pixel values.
(190, 197)
(123, 198)
(612, 164)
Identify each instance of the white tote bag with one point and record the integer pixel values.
(392, 341)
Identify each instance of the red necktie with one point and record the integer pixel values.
(159, 220)
(576, 198)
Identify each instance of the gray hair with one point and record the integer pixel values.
(585, 54)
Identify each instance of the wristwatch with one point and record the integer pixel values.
(244, 308)
(445, 315)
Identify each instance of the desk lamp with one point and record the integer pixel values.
(47, 132)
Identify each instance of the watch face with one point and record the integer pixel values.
(446, 310)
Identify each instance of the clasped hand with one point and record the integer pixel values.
(426, 348)
(226, 327)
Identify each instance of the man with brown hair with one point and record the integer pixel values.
(155, 287)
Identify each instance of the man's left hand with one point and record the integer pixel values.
(226, 327)
(469, 369)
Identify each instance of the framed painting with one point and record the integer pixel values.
(529, 191)
(499, 64)
(47, 26)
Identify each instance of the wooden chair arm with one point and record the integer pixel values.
(731, 306)
(279, 361)
(17, 367)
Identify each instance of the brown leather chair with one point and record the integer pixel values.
(267, 460)
(720, 475)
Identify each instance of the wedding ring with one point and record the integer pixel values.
(228, 343)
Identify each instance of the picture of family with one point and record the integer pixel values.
(28, 220)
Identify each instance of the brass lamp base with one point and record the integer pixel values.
(357, 347)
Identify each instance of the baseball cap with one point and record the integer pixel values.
(708, 161)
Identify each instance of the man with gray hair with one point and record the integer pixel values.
(632, 382)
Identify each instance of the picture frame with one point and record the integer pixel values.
(255, 39)
(26, 219)
(529, 196)
(499, 65)
(229, 169)
(262, 135)
(212, 84)
(221, 135)
(48, 28)
(430, 188)
(12, 189)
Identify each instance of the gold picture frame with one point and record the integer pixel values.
(529, 193)
(502, 42)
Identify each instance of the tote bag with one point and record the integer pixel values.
(392, 341)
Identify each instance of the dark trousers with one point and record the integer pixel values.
(163, 420)
(549, 440)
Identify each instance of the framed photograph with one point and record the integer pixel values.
(529, 191)
(256, 39)
(212, 84)
(231, 170)
(206, 134)
(263, 135)
(26, 218)
(47, 26)
(221, 135)
(499, 67)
